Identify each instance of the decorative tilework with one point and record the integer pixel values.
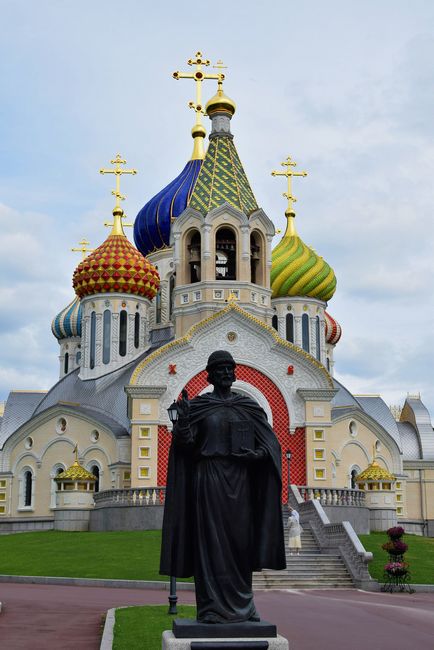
(295, 442)
(222, 179)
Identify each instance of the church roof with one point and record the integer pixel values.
(377, 408)
(333, 331)
(18, 409)
(411, 448)
(68, 321)
(152, 224)
(222, 179)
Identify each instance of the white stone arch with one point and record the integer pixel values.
(21, 457)
(353, 467)
(355, 443)
(96, 463)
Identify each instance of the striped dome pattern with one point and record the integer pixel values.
(67, 323)
(296, 270)
(152, 224)
(333, 331)
(116, 267)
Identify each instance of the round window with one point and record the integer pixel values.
(61, 425)
(28, 444)
(94, 436)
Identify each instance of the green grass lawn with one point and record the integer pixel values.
(420, 556)
(120, 555)
(137, 628)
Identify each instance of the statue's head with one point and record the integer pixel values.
(221, 368)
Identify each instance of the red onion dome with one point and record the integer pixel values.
(116, 267)
(333, 330)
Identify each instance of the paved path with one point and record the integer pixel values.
(38, 617)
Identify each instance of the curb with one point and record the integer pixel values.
(107, 635)
(97, 582)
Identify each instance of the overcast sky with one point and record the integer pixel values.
(345, 88)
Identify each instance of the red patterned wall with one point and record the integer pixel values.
(294, 442)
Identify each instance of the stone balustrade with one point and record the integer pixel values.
(152, 496)
(333, 496)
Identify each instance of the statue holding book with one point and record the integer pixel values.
(222, 518)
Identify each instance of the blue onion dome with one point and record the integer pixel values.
(67, 323)
(152, 224)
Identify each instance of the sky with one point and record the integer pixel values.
(345, 88)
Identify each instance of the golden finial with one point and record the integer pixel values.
(83, 244)
(198, 131)
(289, 212)
(75, 451)
(118, 213)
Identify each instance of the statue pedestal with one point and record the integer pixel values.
(188, 634)
(170, 642)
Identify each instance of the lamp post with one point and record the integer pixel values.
(288, 455)
(172, 412)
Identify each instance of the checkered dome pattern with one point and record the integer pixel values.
(295, 442)
(116, 267)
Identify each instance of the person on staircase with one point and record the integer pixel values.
(294, 532)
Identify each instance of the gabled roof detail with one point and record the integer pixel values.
(222, 179)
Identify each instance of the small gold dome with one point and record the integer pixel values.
(220, 102)
(374, 473)
(75, 473)
(198, 131)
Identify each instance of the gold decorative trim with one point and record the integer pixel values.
(231, 306)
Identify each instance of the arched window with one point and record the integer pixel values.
(318, 338)
(255, 259)
(225, 255)
(57, 469)
(95, 471)
(290, 328)
(194, 256)
(78, 357)
(305, 333)
(158, 307)
(354, 473)
(27, 488)
(274, 322)
(328, 364)
(123, 333)
(171, 297)
(136, 330)
(66, 363)
(92, 339)
(106, 336)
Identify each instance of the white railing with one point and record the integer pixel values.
(333, 496)
(152, 496)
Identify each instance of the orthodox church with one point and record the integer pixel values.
(203, 276)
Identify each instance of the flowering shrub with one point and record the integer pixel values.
(395, 547)
(396, 568)
(396, 532)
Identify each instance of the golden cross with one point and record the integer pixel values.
(124, 225)
(219, 65)
(83, 248)
(198, 76)
(288, 163)
(118, 171)
(75, 451)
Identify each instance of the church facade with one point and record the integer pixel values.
(204, 276)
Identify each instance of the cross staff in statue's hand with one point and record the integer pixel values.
(183, 406)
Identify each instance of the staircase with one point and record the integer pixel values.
(309, 570)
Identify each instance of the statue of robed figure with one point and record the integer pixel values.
(222, 517)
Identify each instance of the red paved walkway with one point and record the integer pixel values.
(39, 617)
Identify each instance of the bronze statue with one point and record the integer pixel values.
(222, 518)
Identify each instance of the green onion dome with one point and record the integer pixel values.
(296, 270)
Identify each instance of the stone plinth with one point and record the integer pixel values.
(170, 642)
(187, 628)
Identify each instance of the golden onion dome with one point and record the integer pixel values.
(374, 472)
(220, 103)
(75, 473)
(297, 270)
